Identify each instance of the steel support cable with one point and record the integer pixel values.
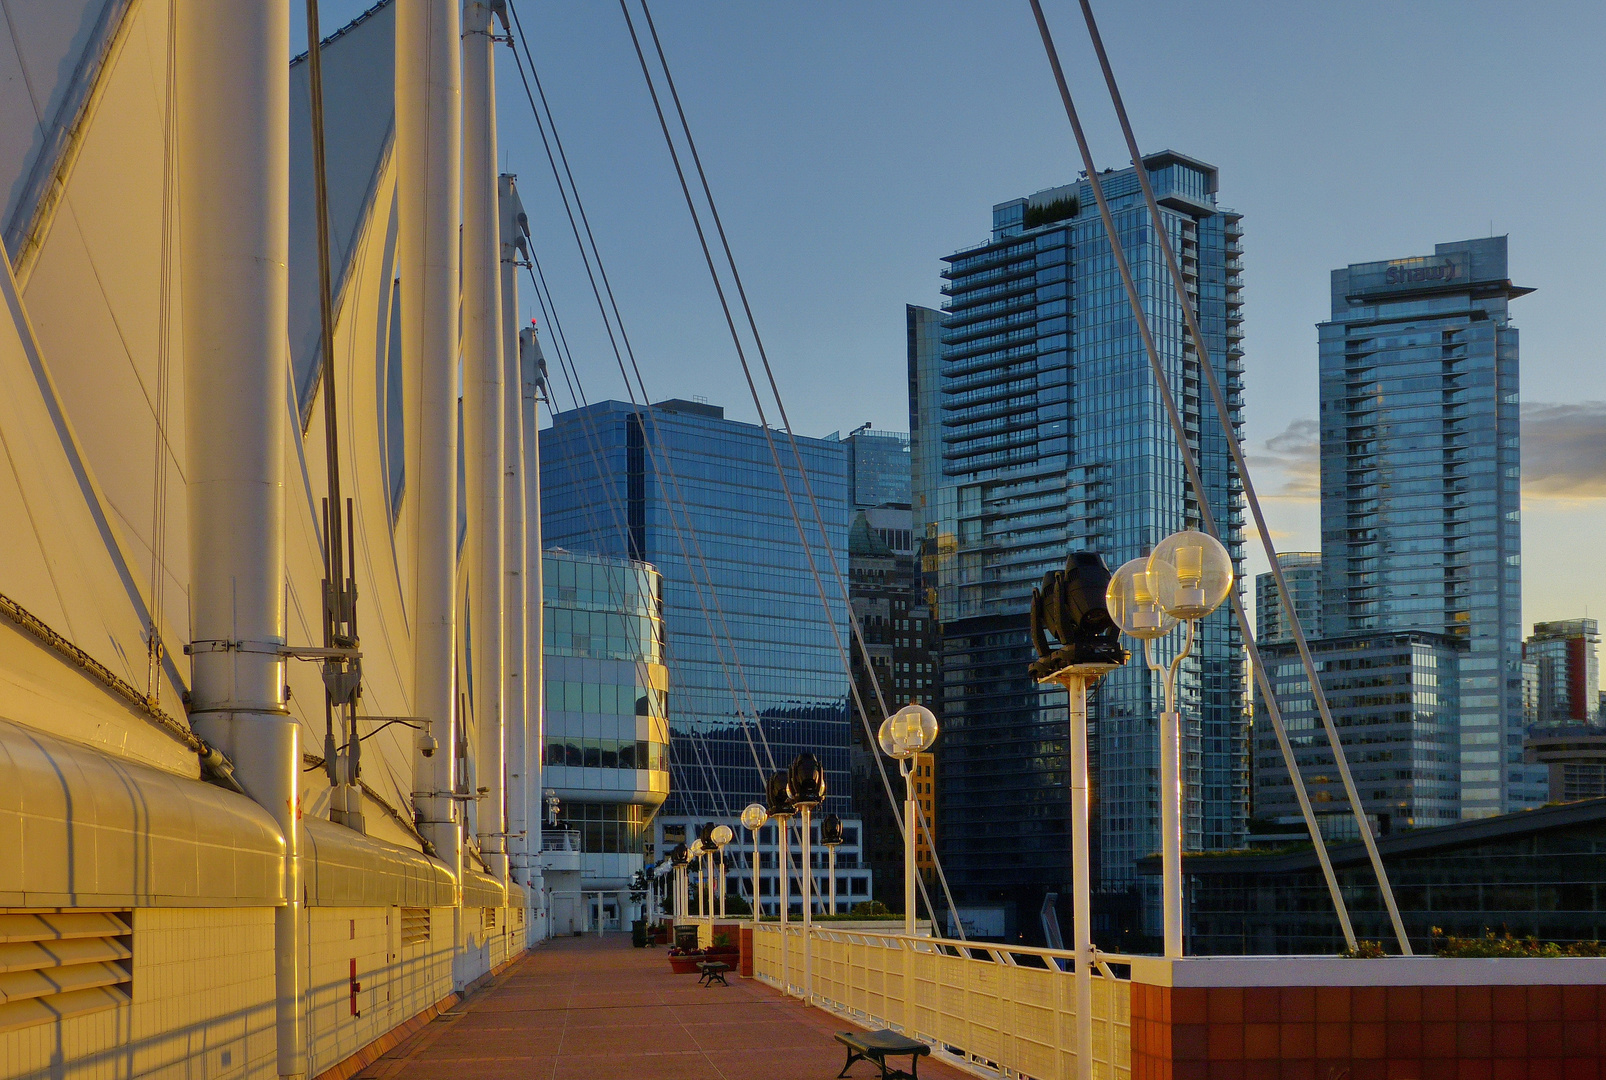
(855, 630)
(677, 495)
(1162, 383)
(1284, 595)
(652, 452)
(780, 470)
(164, 337)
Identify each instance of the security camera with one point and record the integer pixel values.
(427, 744)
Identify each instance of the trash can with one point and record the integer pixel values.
(686, 937)
(638, 933)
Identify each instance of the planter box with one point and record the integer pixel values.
(684, 965)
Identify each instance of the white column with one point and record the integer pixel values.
(428, 157)
(1081, 879)
(808, 911)
(483, 424)
(233, 108)
(755, 879)
(529, 354)
(784, 861)
(515, 617)
(1171, 830)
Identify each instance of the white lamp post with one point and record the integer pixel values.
(778, 793)
(909, 731)
(807, 781)
(754, 817)
(831, 837)
(1185, 578)
(721, 836)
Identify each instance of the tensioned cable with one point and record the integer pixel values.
(652, 448)
(1163, 385)
(855, 630)
(164, 336)
(677, 496)
(1284, 595)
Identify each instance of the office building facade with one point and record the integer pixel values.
(1302, 571)
(607, 727)
(1393, 698)
(1054, 440)
(1420, 479)
(1566, 661)
(757, 677)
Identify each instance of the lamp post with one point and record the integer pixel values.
(807, 781)
(831, 837)
(755, 818)
(721, 836)
(909, 731)
(778, 793)
(1070, 606)
(678, 857)
(1185, 578)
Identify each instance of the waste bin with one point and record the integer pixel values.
(638, 933)
(686, 936)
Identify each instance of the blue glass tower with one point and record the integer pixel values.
(607, 489)
(1054, 440)
(1421, 475)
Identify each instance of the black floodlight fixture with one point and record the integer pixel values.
(679, 856)
(830, 830)
(807, 780)
(705, 833)
(778, 796)
(1070, 605)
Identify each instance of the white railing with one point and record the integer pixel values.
(995, 1009)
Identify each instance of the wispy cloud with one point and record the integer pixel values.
(1564, 450)
(1288, 465)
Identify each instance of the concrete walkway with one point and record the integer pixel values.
(596, 1009)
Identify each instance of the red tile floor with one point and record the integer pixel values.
(596, 1009)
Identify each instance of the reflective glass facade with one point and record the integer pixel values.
(609, 476)
(1420, 479)
(607, 733)
(1566, 671)
(1302, 572)
(1054, 440)
(1393, 698)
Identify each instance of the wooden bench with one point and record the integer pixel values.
(875, 1046)
(713, 971)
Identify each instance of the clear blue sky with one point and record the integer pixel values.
(853, 144)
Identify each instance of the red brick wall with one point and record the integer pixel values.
(1368, 1033)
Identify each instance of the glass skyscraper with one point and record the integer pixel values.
(1420, 481)
(758, 643)
(1054, 439)
(1302, 570)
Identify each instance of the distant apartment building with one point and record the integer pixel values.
(1302, 571)
(1052, 440)
(607, 727)
(1393, 698)
(1420, 478)
(1566, 663)
(757, 678)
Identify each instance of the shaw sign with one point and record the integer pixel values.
(1422, 272)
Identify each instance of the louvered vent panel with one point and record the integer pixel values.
(488, 919)
(414, 925)
(57, 965)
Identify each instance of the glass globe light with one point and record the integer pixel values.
(1132, 602)
(722, 835)
(754, 816)
(1190, 573)
(908, 731)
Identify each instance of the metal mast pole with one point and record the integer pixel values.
(232, 60)
(531, 372)
(483, 424)
(510, 215)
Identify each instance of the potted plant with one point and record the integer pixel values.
(684, 961)
(722, 948)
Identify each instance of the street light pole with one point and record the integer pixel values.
(778, 796)
(754, 817)
(831, 837)
(908, 732)
(1171, 792)
(909, 819)
(806, 780)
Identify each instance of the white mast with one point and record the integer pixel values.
(483, 424)
(532, 374)
(519, 674)
(428, 156)
(233, 124)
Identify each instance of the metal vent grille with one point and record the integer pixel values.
(414, 925)
(54, 965)
(488, 919)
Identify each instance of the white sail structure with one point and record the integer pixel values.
(154, 862)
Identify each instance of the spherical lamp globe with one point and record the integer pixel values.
(907, 732)
(1190, 574)
(722, 835)
(1132, 602)
(754, 816)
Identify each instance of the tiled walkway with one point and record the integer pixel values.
(597, 1009)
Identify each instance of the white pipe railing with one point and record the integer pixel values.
(1000, 1009)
